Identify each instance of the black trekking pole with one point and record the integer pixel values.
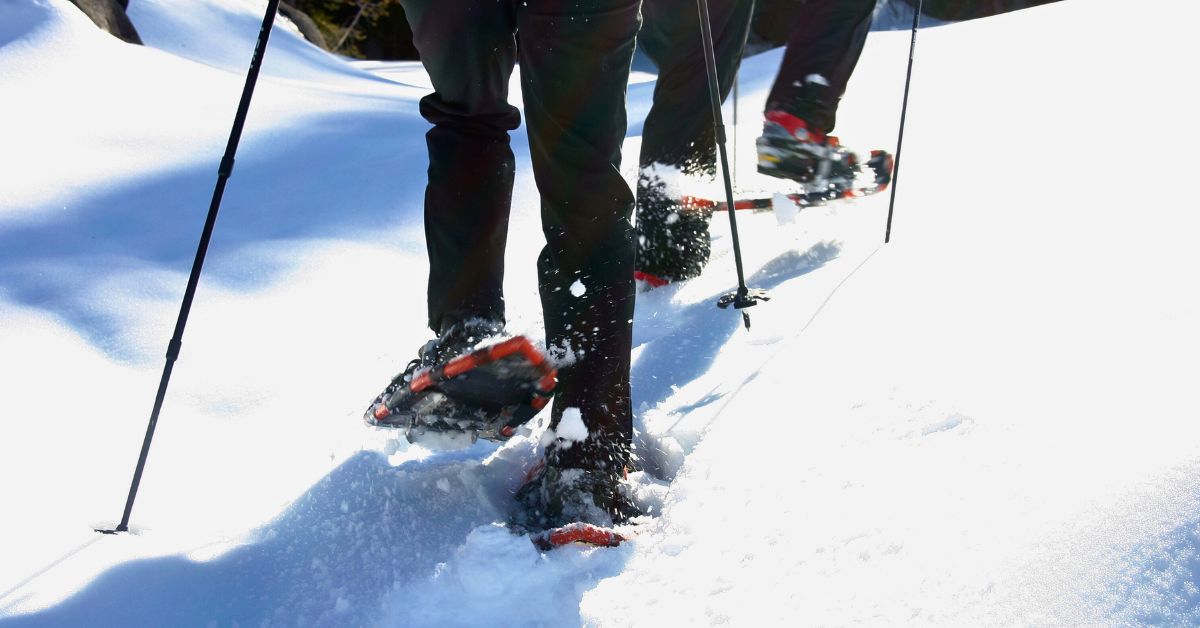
(744, 297)
(736, 74)
(912, 46)
(223, 173)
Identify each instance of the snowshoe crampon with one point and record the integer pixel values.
(487, 393)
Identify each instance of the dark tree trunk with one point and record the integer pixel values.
(110, 16)
(307, 26)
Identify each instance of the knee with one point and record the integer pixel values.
(480, 116)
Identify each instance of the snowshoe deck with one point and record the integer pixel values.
(486, 393)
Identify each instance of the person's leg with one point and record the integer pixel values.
(678, 137)
(469, 50)
(679, 127)
(575, 57)
(825, 41)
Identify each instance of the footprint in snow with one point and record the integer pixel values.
(955, 422)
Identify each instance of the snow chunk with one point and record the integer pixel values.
(785, 208)
(676, 183)
(578, 288)
(950, 423)
(571, 426)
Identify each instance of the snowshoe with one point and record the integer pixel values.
(581, 533)
(838, 175)
(485, 393)
(848, 183)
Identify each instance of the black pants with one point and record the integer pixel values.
(575, 57)
(826, 38)
(679, 127)
(678, 131)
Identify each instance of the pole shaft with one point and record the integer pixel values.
(710, 62)
(223, 174)
(733, 175)
(912, 47)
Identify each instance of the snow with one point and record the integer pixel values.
(988, 421)
(571, 426)
(784, 209)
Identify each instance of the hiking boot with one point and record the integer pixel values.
(577, 482)
(794, 142)
(791, 147)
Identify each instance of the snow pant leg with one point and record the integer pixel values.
(469, 50)
(672, 243)
(679, 127)
(575, 57)
(826, 38)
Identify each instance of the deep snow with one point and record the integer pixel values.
(988, 421)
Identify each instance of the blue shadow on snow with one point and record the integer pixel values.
(361, 530)
(313, 183)
(700, 330)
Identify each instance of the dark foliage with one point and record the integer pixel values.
(772, 18)
(370, 29)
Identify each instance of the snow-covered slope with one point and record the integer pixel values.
(988, 421)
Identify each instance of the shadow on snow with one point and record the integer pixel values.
(689, 345)
(698, 331)
(369, 537)
(329, 559)
(343, 176)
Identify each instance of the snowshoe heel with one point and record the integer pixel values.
(487, 393)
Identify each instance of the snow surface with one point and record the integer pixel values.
(989, 421)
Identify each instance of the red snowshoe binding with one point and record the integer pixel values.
(581, 533)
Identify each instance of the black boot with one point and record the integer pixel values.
(577, 482)
(793, 144)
